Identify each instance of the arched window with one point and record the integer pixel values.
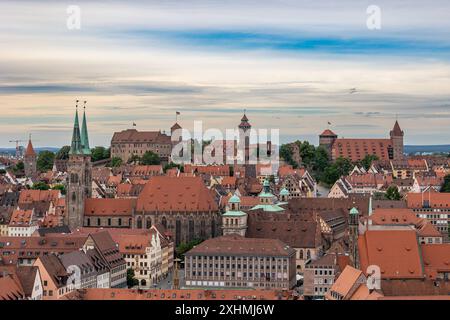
(139, 223)
(301, 254)
(148, 223)
(308, 254)
(164, 222)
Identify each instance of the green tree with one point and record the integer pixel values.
(367, 161)
(307, 152)
(40, 186)
(133, 159)
(63, 153)
(100, 153)
(116, 162)
(286, 155)
(18, 168)
(60, 187)
(172, 165)
(185, 247)
(341, 167)
(45, 161)
(150, 158)
(392, 193)
(321, 160)
(131, 280)
(446, 184)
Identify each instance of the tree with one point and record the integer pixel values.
(63, 153)
(150, 158)
(341, 167)
(40, 186)
(116, 162)
(172, 165)
(286, 155)
(19, 167)
(307, 152)
(100, 153)
(367, 161)
(45, 161)
(131, 280)
(60, 187)
(185, 247)
(321, 160)
(446, 184)
(133, 159)
(392, 193)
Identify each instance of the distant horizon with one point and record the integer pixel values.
(292, 65)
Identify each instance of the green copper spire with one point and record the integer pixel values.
(84, 134)
(76, 147)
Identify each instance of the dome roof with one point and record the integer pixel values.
(284, 192)
(234, 199)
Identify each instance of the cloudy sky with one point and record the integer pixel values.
(289, 63)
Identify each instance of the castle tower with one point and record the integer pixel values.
(30, 160)
(397, 141)
(79, 169)
(234, 221)
(244, 128)
(326, 140)
(353, 222)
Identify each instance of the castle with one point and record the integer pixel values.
(357, 149)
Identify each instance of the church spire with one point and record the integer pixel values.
(76, 147)
(84, 134)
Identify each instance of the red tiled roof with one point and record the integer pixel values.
(10, 289)
(164, 193)
(357, 149)
(134, 136)
(435, 199)
(396, 252)
(436, 258)
(345, 282)
(30, 150)
(328, 132)
(109, 207)
(29, 196)
(182, 294)
(21, 218)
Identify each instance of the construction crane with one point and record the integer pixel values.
(17, 147)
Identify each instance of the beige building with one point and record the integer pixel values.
(236, 262)
(131, 142)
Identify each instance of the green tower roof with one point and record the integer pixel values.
(354, 211)
(85, 136)
(234, 199)
(76, 147)
(284, 192)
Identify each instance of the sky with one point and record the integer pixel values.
(290, 64)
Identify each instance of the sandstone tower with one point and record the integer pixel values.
(79, 169)
(30, 160)
(397, 141)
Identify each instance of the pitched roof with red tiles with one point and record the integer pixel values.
(289, 170)
(30, 196)
(109, 207)
(357, 149)
(30, 150)
(231, 181)
(181, 294)
(147, 170)
(237, 245)
(434, 200)
(217, 170)
(134, 136)
(10, 289)
(328, 132)
(396, 252)
(346, 281)
(185, 194)
(21, 218)
(436, 259)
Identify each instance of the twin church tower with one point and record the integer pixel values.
(79, 172)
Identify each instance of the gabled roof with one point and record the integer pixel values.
(185, 194)
(109, 207)
(396, 252)
(10, 289)
(346, 281)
